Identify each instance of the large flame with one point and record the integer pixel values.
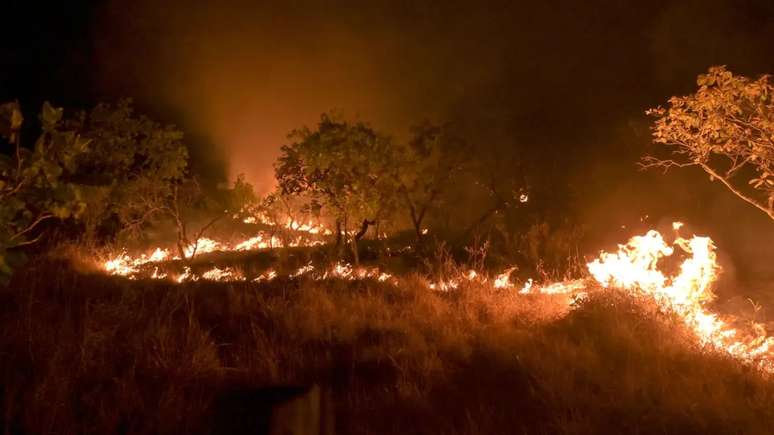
(635, 268)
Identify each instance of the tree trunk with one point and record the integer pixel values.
(481, 220)
(355, 254)
(338, 233)
(342, 236)
(364, 228)
(359, 235)
(182, 239)
(418, 230)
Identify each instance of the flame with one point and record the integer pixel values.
(218, 274)
(202, 246)
(503, 280)
(291, 224)
(267, 276)
(634, 268)
(123, 264)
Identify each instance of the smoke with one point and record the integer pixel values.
(242, 76)
(562, 86)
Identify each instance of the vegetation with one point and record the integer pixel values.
(35, 184)
(186, 198)
(347, 169)
(133, 165)
(433, 157)
(85, 353)
(726, 128)
(82, 352)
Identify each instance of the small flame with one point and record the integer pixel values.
(503, 280)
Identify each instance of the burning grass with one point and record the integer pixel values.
(87, 353)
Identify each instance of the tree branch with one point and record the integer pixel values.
(769, 211)
(32, 226)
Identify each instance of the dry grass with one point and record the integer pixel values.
(83, 353)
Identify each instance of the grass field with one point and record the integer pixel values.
(84, 353)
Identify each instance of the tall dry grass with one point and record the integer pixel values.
(85, 353)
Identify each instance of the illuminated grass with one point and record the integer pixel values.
(95, 354)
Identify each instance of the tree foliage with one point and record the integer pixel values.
(346, 168)
(427, 166)
(726, 128)
(132, 158)
(35, 184)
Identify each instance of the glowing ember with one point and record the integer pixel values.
(503, 280)
(527, 287)
(303, 270)
(258, 242)
(203, 246)
(217, 274)
(187, 276)
(265, 277)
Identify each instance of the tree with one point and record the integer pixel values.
(284, 214)
(188, 197)
(131, 158)
(35, 184)
(185, 202)
(428, 164)
(726, 128)
(346, 168)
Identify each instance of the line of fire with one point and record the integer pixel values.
(316, 218)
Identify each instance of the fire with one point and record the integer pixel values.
(291, 224)
(217, 274)
(556, 288)
(503, 280)
(634, 268)
(203, 246)
(123, 264)
(266, 277)
(258, 242)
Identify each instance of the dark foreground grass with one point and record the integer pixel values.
(84, 353)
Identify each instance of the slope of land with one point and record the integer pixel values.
(86, 353)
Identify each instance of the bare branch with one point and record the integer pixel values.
(32, 226)
(768, 210)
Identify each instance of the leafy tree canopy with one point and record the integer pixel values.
(726, 128)
(345, 167)
(131, 156)
(35, 184)
(428, 163)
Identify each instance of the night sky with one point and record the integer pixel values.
(563, 84)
